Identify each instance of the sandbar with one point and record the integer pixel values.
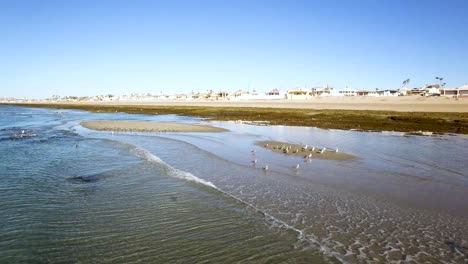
(307, 152)
(147, 126)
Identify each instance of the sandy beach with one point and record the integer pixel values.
(140, 126)
(399, 104)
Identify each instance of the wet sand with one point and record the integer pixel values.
(307, 152)
(142, 126)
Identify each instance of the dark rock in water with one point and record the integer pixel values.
(62, 134)
(23, 133)
(16, 133)
(84, 179)
(456, 247)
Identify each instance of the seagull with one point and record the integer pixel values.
(265, 168)
(305, 147)
(336, 150)
(313, 148)
(323, 150)
(22, 132)
(253, 152)
(266, 145)
(296, 167)
(254, 161)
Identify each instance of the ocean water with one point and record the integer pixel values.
(69, 194)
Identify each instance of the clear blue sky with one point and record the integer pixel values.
(121, 47)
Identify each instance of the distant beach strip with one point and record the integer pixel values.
(142, 126)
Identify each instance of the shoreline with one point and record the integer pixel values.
(396, 104)
(290, 115)
(147, 126)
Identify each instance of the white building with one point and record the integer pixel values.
(343, 92)
(322, 91)
(457, 92)
(298, 94)
(388, 93)
(431, 90)
(274, 94)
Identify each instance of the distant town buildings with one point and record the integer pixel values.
(297, 94)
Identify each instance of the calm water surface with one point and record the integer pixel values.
(69, 194)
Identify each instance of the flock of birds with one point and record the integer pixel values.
(287, 149)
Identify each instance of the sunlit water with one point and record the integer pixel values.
(69, 194)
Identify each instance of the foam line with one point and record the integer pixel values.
(142, 153)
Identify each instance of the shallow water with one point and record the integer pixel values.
(72, 194)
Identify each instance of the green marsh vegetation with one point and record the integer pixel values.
(366, 120)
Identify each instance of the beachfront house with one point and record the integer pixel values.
(343, 92)
(322, 91)
(431, 90)
(455, 92)
(387, 93)
(298, 94)
(223, 95)
(181, 96)
(366, 93)
(274, 94)
(417, 91)
(245, 95)
(449, 92)
(241, 94)
(403, 91)
(199, 95)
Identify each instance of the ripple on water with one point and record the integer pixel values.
(80, 204)
(350, 226)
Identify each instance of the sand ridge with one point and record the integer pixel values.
(147, 126)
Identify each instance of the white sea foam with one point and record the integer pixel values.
(142, 153)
